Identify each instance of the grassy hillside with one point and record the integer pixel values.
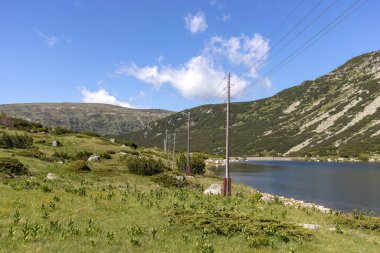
(100, 118)
(340, 110)
(110, 209)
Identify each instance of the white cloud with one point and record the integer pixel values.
(196, 23)
(101, 96)
(49, 40)
(250, 51)
(202, 75)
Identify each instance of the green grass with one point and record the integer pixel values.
(112, 210)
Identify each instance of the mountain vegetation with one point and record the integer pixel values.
(54, 200)
(336, 115)
(104, 119)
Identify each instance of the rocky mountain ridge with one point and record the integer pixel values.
(337, 113)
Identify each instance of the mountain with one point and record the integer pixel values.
(100, 118)
(336, 114)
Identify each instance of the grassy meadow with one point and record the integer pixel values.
(110, 209)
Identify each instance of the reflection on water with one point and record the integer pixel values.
(343, 186)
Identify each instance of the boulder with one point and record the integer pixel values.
(55, 143)
(179, 177)
(266, 198)
(94, 158)
(51, 176)
(311, 226)
(214, 189)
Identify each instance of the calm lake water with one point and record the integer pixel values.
(341, 186)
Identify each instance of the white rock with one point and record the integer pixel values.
(214, 189)
(55, 143)
(311, 226)
(51, 176)
(266, 198)
(179, 177)
(94, 158)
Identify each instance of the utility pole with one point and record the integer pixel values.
(188, 170)
(166, 140)
(173, 152)
(227, 180)
(168, 149)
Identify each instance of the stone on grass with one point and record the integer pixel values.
(311, 226)
(55, 143)
(179, 177)
(214, 189)
(266, 198)
(51, 176)
(94, 158)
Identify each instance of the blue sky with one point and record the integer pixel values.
(171, 54)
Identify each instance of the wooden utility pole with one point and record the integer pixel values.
(188, 170)
(168, 149)
(166, 140)
(227, 179)
(173, 152)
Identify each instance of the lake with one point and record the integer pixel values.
(341, 186)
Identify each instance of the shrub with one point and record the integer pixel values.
(92, 134)
(34, 154)
(144, 166)
(197, 164)
(12, 166)
(82, 155)
(79, 166)
(62, 155)
(15, 141)
(127, 143)
(106, 155)
(61, 131)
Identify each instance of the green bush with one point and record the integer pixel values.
(197, 164)
(34, 154)
(106, 155)
(127, 143)
(83, 155)
(92, 134)
(144, 166)
(12, 166)
(15, 141)
(61, 131)
(79, 166)
(61, 155)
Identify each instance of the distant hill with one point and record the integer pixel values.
(336, 114)
(100, 118)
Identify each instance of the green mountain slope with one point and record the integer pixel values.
(100, 118)
(337, 113)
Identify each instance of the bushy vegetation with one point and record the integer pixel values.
(12, 166)
(108, 210)
(145, 166)
(35, 153)
(92, 134)
(78, 166)
(61, 131)
(197, 164)
(20, 124)
(82, 155)
(130, 144)
(15, 141)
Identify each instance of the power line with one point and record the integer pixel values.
(318, 35)
(292, 39)
(219, 93)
